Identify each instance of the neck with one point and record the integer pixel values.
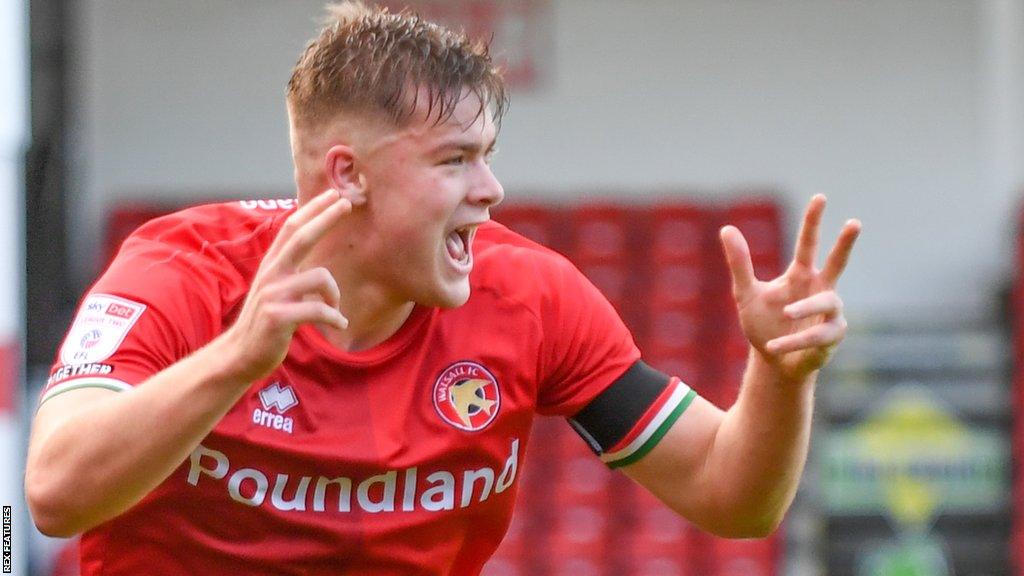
(373, 317)
(374, 312)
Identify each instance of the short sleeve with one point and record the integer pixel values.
(154, 305)
(585, 346)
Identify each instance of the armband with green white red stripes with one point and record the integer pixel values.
(632, 415)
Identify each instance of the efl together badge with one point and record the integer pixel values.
(466, 396)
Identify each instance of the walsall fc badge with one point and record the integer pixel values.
(466, 396)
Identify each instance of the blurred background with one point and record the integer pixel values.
(637, 127)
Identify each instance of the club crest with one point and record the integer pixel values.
(466, 395)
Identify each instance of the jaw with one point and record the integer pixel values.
(400, 274)
(452, 281)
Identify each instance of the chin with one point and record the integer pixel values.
(454, 301)
(450, 296)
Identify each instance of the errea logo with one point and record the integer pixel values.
(274, 396)
(280, 400)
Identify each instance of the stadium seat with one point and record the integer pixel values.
(578, 531)
(535, 221)
(686, 364)
(674, 329)
(676, 284)
(125, 219)
(601, 233)
(583, 480)
(760, 221)
(743, 557)
(572, 564)
(614, 280)
(499, 565)
(514, 557)
(678, 233)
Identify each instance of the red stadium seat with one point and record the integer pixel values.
(582, 480)
(601, 233)
(685, 364)
(760, 221)
(658, 564)
(535, 221)
(573, 564)
(678, 233)
(674, 329)
(579, 531)
(676, 284)
(655, 540)
(125, 219)
(499, 565)
(744, 557)
(515, 556)
(614, 279)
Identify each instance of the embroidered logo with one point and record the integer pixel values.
(280, 400)
(274, 396)
(466, 395)
(101, 326)
(90, 339)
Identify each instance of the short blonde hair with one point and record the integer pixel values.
(367, 60)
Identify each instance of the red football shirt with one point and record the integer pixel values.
(401, 459)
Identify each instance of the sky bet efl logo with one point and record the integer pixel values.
(466, 396)
(100, 327)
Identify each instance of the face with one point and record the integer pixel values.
(428, 187)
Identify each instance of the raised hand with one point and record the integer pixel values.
(284, 294)
(796, 320)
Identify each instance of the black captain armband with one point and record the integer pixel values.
(631, 416)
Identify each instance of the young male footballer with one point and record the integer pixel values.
(344, 383)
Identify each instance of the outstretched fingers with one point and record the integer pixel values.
(737, 256)
(826, 303)
(306, 312)
(807, 240)
(312, 283)
(840, 253)
(309, 227)
(822, 335)
(299, 217)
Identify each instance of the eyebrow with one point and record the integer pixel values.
(470, 146)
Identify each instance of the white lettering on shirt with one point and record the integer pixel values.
(444, 490)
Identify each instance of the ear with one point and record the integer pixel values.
(343, 175)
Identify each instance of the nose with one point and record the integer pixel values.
(488, 191)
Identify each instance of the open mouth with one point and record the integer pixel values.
(458, 242)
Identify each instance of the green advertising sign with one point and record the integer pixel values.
(907, 557)
(911, 458)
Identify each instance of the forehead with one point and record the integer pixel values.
(470, 120)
